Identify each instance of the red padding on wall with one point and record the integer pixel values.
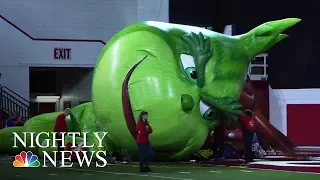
(303, 124)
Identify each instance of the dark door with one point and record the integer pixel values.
(66, 104)
(34, 109)
(47, 107)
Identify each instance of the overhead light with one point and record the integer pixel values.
(48, 97)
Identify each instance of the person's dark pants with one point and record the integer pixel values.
(248, 137)
(218, 143)
(145, 154)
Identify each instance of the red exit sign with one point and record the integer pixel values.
(62, 53)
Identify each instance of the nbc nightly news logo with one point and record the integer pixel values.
(28, 159)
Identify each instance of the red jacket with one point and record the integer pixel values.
(143, 133)
(247, 123)
(61, 124)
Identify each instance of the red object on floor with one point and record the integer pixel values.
(303, 124)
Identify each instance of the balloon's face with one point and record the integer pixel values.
(172, 78)
(185, 77)
(168, 83)
(164, 85)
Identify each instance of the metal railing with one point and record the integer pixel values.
(13, 102)
(258, 67)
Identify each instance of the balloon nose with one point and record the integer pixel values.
(187, 102)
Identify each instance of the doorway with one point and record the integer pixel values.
(66, 104)
(37, 108)
(46, 108)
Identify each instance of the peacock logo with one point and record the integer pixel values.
(26, 159)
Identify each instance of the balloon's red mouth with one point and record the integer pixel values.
(126, 104)
(128, 113)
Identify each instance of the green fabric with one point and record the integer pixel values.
(189, 79)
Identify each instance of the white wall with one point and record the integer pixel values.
(16, 78)
(278, 110)
(60, 19)
(81, 19)
(228, 30)
(279, 98)
(153, 10)
(20, 51)
(301, 96)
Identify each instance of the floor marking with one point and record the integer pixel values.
(6, 159)
(215, 171)
(241, 167)
(276, 170)
(299, 172)
(314, 158)
(177, 167)
(131, 174)
(184, 172)
(289, 163)
(87, 174)
(266, 157)
(153, 173)
(245, 171)
(52, 174)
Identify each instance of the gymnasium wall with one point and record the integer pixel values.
(31, 30)
(295, 113)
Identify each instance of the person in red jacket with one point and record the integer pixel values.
(249, 127)
(145, 148)
(61, 126)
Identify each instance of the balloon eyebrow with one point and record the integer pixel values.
(201, 50)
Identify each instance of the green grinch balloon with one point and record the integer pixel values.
(187, 78)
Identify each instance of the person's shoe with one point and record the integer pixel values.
(148, 169)
(143, 170)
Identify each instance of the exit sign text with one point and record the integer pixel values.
(62, 53)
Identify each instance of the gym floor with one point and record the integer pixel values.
(173, 171)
